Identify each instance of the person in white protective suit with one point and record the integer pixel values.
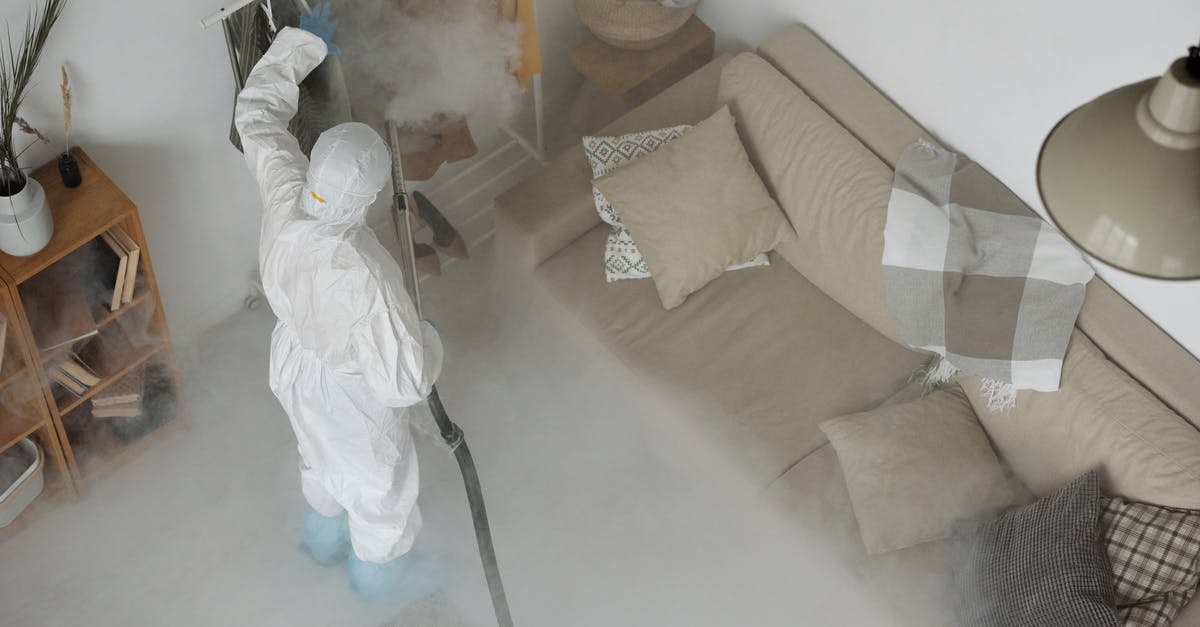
(349, 353)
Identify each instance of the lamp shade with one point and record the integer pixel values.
(1120, 176)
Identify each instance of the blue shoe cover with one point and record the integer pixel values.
(406, 579)
(326, 538)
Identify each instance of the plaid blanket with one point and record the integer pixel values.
(973, 277)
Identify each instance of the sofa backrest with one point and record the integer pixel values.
(1122, 332)
(832, 187)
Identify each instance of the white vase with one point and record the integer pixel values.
(25, 221)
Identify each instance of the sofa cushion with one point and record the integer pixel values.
(913, 469)
(695, 207)
(1099, 418)
(834, 190)
(849, 97)
(622, 259)
(552, 208)
(1155, 557)
(1041, 564)
(767, 354)
(911, 586)
(606, 154)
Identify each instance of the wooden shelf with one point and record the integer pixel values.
(109, 315)
(100, 452)
(103, 319)
(9, 375)
(80, 215)
(128, 338)
(99, 448)
(15, 363)
(631, 77)
(70, 402)
(15, 426)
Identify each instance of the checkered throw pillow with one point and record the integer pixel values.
(622, 259)
(1155, 557)
(1041, 564)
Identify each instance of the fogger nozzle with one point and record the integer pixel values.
(400, 216)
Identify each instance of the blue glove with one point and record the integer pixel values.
(319, 24)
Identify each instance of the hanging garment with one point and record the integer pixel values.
(522, 12)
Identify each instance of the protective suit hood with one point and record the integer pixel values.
(350, 165)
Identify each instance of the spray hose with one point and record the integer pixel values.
(451, 433)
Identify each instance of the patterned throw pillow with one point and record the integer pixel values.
(1041, 564)
(1155, 557)
(606, 154)
(622, 260)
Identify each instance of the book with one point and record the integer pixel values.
(128, 410)
(124, 392)
(120, 272)
(78, 371)
(57, 303)
(135, 253)
(71, 385)
(78, 384)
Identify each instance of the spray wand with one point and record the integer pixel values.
(451, 433)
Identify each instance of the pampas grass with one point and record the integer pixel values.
(66, 99)
(18, 59)
(28, 129)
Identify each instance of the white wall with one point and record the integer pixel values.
(992, 79)
(153, 95)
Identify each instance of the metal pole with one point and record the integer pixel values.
(451, 433)
(224, 12)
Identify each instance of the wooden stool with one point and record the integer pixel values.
(631, 77)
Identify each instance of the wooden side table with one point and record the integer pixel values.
(631, 77)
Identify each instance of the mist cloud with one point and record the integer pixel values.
(411, 61)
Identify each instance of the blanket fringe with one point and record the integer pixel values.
(1000, 396)
(939, 374)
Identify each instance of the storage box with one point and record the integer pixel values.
(17, 495)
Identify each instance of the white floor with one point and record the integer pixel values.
(605, 509)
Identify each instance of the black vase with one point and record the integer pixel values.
(68, 169)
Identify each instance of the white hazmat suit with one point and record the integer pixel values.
(349, 353)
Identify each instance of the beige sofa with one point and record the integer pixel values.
(768, 355)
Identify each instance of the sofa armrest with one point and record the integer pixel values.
(547, 211)
(543, 213)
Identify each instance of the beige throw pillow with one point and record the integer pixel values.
(913, 469)
(695, 207)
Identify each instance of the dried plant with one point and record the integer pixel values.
(66, 98)
(18, 60)
(28, 129)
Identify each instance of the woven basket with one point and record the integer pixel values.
(632, 24)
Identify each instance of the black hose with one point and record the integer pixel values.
(454, 437)
(451, 433)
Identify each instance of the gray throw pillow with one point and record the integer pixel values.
(1041, 564)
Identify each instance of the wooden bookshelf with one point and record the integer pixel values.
(127, 339)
